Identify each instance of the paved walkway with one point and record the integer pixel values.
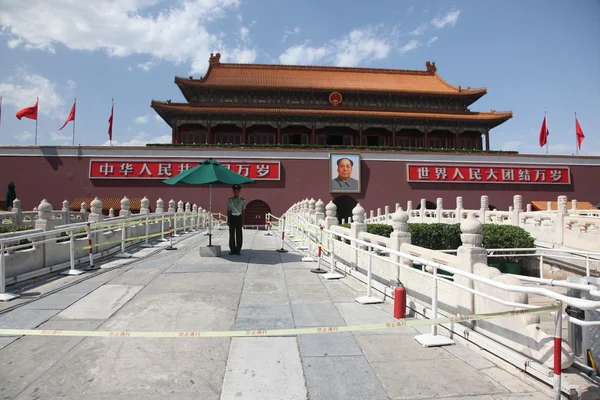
(177, 290)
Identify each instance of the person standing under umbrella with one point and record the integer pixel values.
(235, 208)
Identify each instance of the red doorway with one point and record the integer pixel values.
(254, 217)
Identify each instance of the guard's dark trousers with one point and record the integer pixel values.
(235, 233)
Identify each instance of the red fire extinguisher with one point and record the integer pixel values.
(399, 302)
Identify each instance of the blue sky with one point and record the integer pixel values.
(533, 56)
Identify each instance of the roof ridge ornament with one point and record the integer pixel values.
(431, 68)
(214, 59)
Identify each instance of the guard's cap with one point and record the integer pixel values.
(237, 187)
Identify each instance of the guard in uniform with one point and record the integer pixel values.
(235, 208)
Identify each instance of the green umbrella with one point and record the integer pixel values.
(209, 172)
(11, 194)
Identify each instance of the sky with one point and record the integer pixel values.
(533, 57)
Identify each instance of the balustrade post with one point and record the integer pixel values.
(16, 208)
(459, 208)
(160, 210)
(65, 212)
(319, 211)
(422, 210)
(397, 237)
(145, 209)
(559, 219)
(485, 205)
(194, 218)
(331, 220)
(439, 208)
(517, 209)
(357, 226)
(311, 211)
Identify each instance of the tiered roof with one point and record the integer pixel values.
(323, 79)
(296, 77)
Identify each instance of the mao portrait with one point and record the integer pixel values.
(345, 173)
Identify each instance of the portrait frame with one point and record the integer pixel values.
(355, 180)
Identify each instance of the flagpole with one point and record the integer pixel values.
(546, 118)
(36, 119)
(75, 106)
(112, 116)
(576, 138)
(0, 110)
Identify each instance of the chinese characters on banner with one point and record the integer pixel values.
(128, 169)
(488, 174)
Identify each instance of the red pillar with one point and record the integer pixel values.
(426, 139)
(244, 134)
(487, 141)
(174, 133)
(278, 133)
(456, 139)
(209, 138)
(313, 135)
(360, 135)
(394, 136)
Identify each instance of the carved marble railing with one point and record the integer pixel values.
(573, 228)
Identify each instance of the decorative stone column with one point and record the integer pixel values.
(331, 211)
(311, 211)
(485, 205)
(422, 210)
(319, 211)
(65, 211)
(559, 219)
(96, 211)
(357, 226)
(459, 208)
(517, 209)
(111, 213)
(84, 212)
(439, 207)
(470, 253)
(397, 237)
(573, 205)
(160, 206)
(44, 221)
(16, 208)
(125, 206)
(145, 206)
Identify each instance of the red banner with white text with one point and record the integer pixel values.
(152, 169)
(488, 174)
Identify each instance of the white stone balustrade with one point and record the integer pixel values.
(571, 228)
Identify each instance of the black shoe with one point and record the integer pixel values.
(238, 253)
(231, 253)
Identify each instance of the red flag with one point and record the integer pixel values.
(28, 112)
(544, 133)
(110, 122)
(579, 133)
(71, 116)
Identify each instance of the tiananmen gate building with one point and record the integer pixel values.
(390, 135)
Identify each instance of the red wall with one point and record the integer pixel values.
(384, 183)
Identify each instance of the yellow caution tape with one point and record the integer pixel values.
(280, 332)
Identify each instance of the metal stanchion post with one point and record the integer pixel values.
(282, 250)
(318, 270)
(72, 270)
(368, 299)
(170, 246)
(433, 339)
(4, 296)
(332, 274)
(123, 254)
(558, 350)
(146, 242)
(91, 248)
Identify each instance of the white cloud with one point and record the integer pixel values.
(158, 118)
(21, 90)
(142, 119)
(71, 84)
(61, 137)
(147, 65)
(244, 32)
(120, 28)
(431, 41)
(511, 145)
(141, 139)
(24, 137)
(287, 33)
(410, 10)
(410, 46)
(419, 30)
(358, 46)
(561, 148)
(449, 19)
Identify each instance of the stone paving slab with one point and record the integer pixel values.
(308, 294)
(55, 301)
(101, 303)
(197, 283)
(36, 355)
(257, 271)
(265, 369)
(397, 347)
(306, 315)
(331, 344)
(25, 319)
(136, 277)
(272, 316)
(348, 378)
(429, 379)
(302, 277)
(233, 267)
